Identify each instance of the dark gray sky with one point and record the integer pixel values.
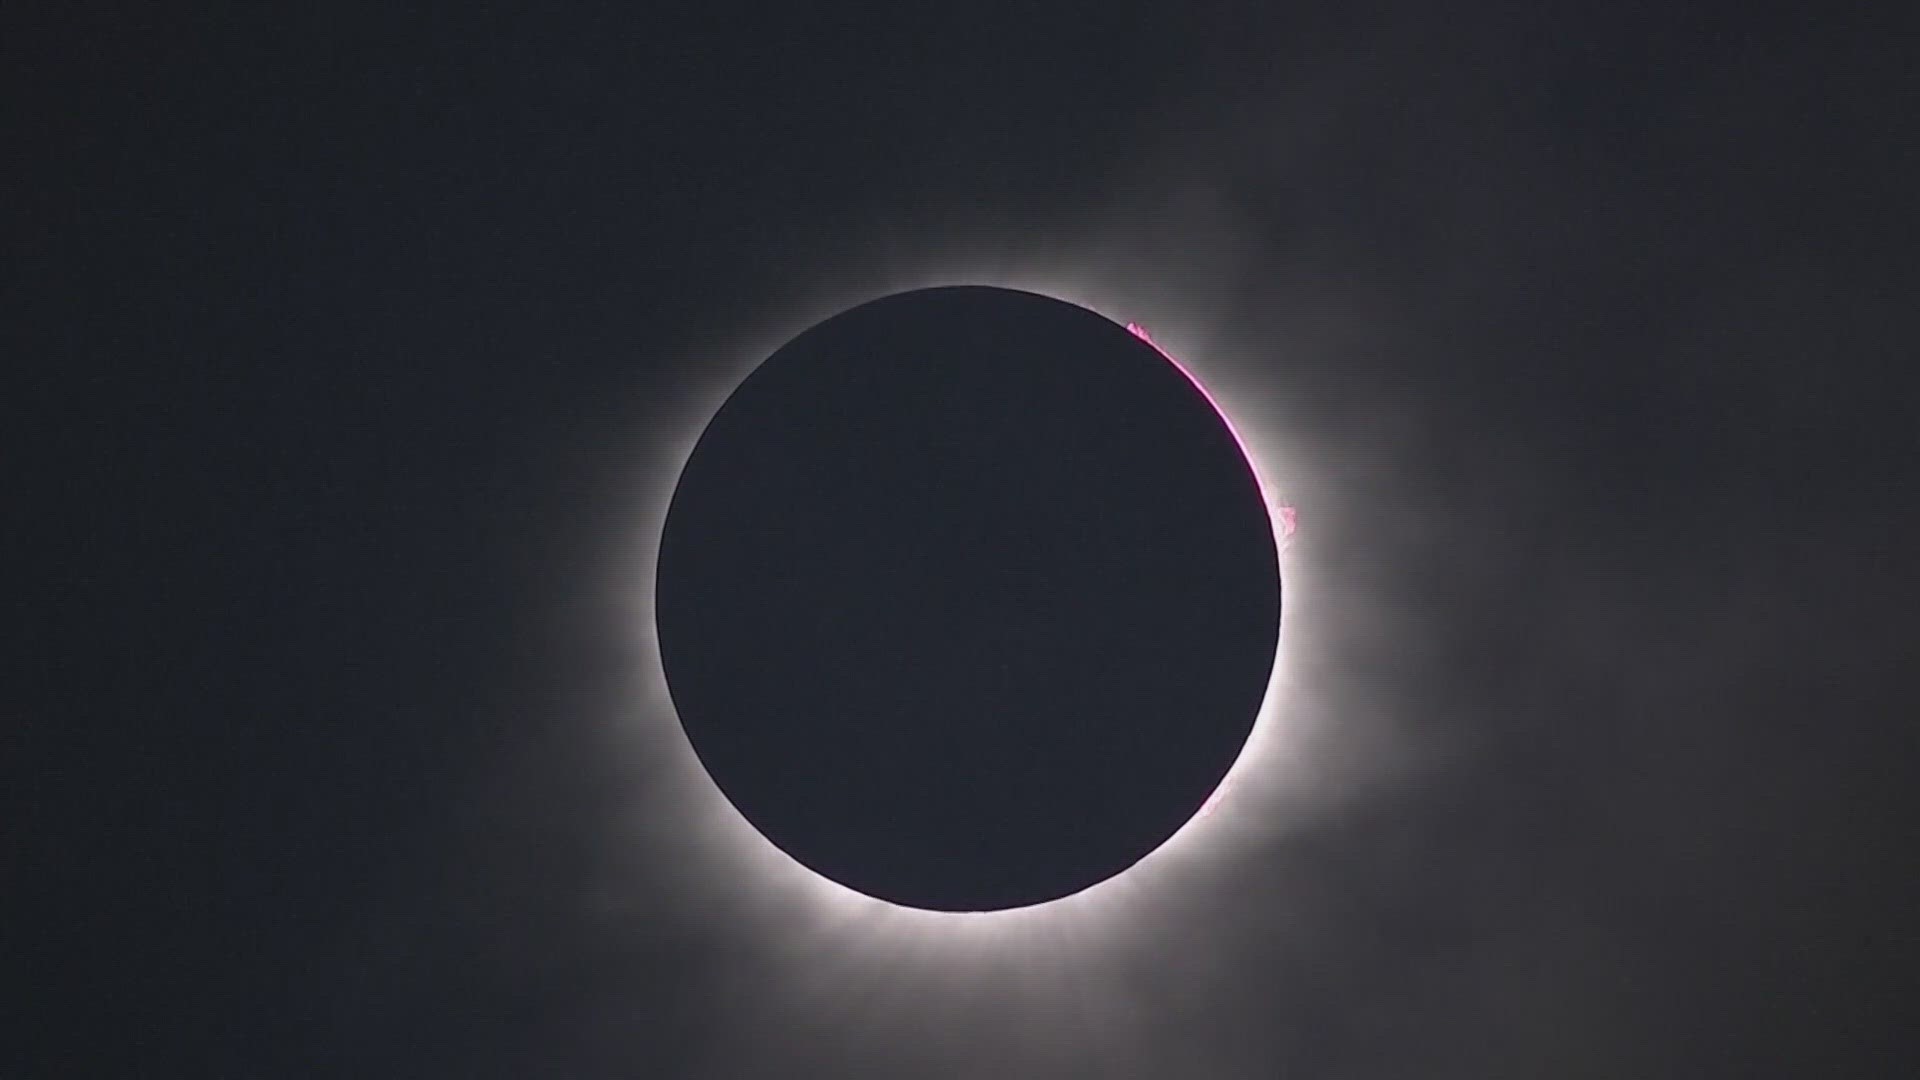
(351, 350)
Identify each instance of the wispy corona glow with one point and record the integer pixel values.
(814, 936)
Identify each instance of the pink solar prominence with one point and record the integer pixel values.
(1285, 516)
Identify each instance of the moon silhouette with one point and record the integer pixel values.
(967, 598)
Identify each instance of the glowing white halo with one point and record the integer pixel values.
(725, 857)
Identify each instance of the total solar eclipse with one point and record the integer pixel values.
(967, 598)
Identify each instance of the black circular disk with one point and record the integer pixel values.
(967, 598)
